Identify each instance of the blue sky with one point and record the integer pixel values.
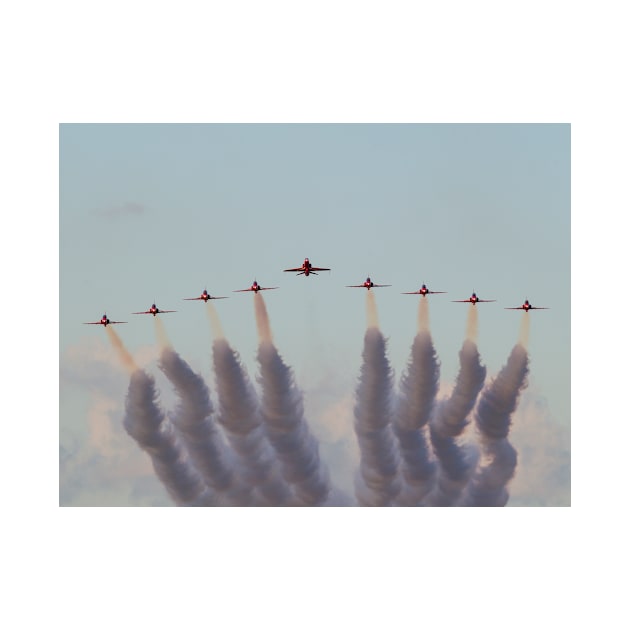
(159, 212)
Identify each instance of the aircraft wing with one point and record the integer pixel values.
(143, 313)
(267, 288)
(197, 298)
(464, 301)
(320, 269)
(381, 285)
(297, 269)
(221, 297)
(241, 290)
(356, 286)
(486, 300)
(102, 322)
(161, 311)
(438, 291)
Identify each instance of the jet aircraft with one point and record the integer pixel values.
(154, 310)
(205, 296)
(526, 306)
(255, 288)
(473, 299)
(307, 269)
(105, 321)
(422, 291)
(368, 284)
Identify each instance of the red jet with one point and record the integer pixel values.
(368, 284)
(307, 269)
(473, 299)
(255, 288)
(154, 310)
(205, 296)
(422, 291)
(525, 306)
(104, 321)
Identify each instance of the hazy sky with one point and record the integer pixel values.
(160, 212)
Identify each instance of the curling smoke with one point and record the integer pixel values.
(456, 461)
(283, 417)
(497, 403)
(146, 423)
(418, 389)
(123, 353)
(193, 421)
(377, 482)
(240, 418)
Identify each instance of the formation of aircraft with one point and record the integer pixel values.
(422, 291)
(154, 310)
(525, 306)
(205, 296)
(368, 284)
(307, 269)
(104, 321)
(473, 299)
(255, 288)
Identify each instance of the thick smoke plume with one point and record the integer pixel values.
(418, 389)
(456, 460)
(283, 417)
(202, 438)
(146, 423)
(377, 482)
(239, 415)
(497, 403)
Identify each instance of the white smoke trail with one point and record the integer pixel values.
(239, 416)
(262, 320)
(472, 324)
(204, 442)
(215, 322)
(377, 482)
(523, 337)
(418, 388)
(160, 333)
(456, 460)
(370, 309)
(497, 403)
(283, 417)
(146, 423)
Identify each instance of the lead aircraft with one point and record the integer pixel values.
(307, 268)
